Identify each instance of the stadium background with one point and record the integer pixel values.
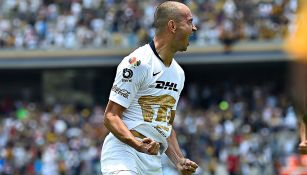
(57, 64)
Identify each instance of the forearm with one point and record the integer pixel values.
(173, 151)
(118, 128)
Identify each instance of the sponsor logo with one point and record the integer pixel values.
(165, 85)
(134, 61)
(122, 92)
(154, 74)
(127, 74)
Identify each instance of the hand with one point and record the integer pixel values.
(186, 166)
(149, 146)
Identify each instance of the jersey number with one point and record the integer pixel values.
(165, 103)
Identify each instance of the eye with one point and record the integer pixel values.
(190, 21)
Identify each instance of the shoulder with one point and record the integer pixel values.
(178, 68)
(137, 60)
(179, 71)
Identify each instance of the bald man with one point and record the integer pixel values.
(143, 100)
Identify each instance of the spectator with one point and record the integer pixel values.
(38, 24)
(252, 134)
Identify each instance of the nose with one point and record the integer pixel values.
(194, 28)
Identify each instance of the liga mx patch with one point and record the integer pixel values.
(127, 75)
(134, 61)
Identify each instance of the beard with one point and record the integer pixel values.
(183, 49)
(184, 46)
(181, 42)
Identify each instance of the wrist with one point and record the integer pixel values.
(136, 144)
(131, 141)
(180, 161)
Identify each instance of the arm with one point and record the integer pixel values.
(114, 123)
(185, 166)
(173, 151)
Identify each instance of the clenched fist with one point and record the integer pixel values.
(186, 166)
(149, 146)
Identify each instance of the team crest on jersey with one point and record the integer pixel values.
(127, 75)
(134, 61)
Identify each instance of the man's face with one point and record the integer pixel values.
(185, 29)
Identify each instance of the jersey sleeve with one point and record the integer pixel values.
(130, 75)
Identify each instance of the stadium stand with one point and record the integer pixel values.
(37, 24)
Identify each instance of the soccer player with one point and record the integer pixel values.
(143, 100)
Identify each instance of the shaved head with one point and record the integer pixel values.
(174, 25)
(169, 10)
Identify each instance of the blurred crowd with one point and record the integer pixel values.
(50, 140)
(241, 129)
(48, 24)
(233, 129)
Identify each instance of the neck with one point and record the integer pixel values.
(164, 50)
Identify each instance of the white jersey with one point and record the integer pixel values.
(149, 91)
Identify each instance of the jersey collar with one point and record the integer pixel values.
(152, 45)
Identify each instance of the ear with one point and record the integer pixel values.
(172, 26)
